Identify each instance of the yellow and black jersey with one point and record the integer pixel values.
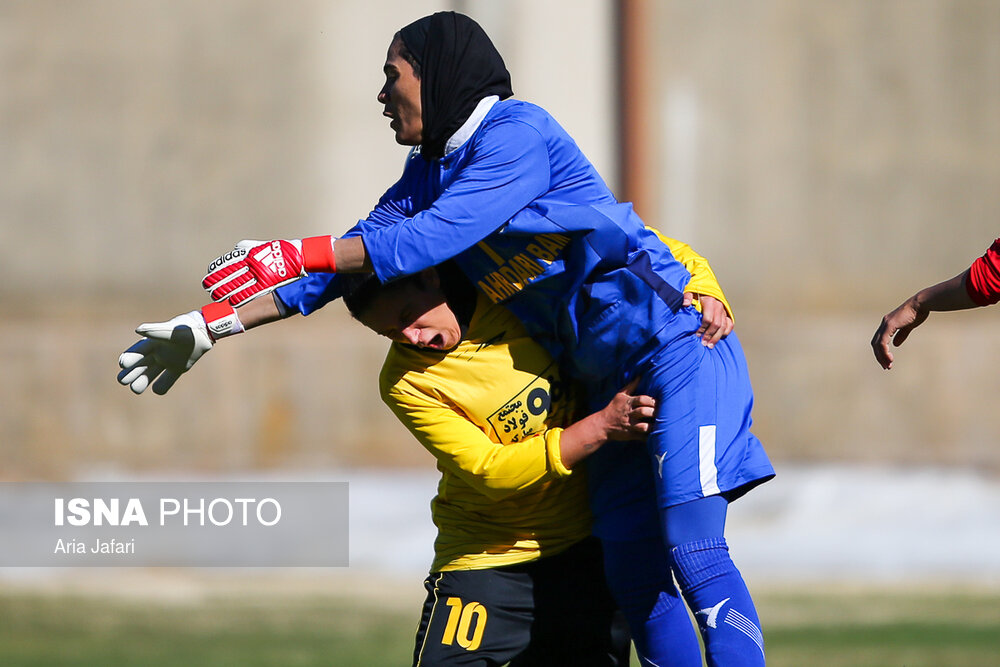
(489, 410)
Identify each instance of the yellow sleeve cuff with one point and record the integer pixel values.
(553, 438)
(703, 280)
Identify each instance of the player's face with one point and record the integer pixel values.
(415, 313)
(401, 97)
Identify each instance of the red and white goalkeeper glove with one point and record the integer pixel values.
(169, 349)
(253, 269)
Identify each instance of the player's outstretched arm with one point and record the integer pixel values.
(169, 349)
(979, 285)
(255, 268)
(897, 325)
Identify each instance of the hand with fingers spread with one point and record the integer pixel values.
(629, 415)
(169, 349)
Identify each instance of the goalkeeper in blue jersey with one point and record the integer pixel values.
(497, 185)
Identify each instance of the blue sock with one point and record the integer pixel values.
(718, 596)
(638, 573)
(663, 635)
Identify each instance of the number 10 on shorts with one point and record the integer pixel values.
(461, 618)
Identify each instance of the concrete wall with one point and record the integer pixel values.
(829, 158)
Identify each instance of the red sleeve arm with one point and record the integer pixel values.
(983, 284)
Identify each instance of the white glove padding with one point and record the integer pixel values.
(168, 350)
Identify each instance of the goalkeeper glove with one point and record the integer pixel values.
(169, 349)
(253, 269)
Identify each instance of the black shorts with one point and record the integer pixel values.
(550, 612)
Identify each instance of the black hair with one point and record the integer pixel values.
(361, 289)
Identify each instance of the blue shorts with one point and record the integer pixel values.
(700, 444)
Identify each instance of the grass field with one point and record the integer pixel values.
(276, 626)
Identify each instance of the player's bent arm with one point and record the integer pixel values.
(513, 160)
(351, 255)
(703, 291)
(626, 417)
(703, 280)
(509, 169)
(498, 471)
(460, 446)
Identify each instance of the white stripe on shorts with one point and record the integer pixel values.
(706, 463)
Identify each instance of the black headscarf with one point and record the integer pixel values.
(458, 67)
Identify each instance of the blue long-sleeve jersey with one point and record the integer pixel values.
(531, 223)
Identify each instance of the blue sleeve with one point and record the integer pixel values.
(311, 293)
(507, 169)
(314, 291)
